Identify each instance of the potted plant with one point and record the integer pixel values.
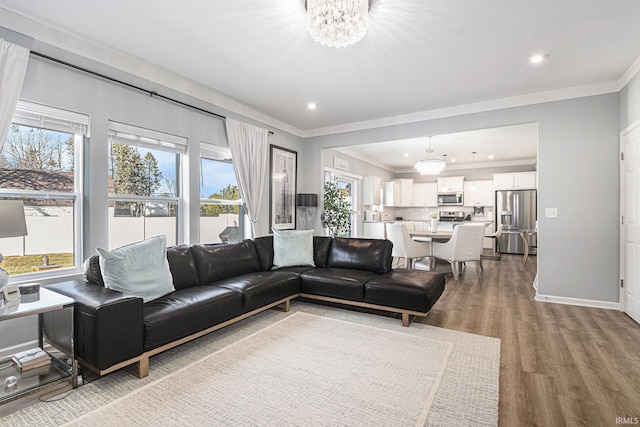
(337, 210)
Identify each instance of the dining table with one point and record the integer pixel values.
(428, 237)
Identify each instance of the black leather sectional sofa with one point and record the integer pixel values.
(217, 285)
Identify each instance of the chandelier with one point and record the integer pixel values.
(337, 23)
(430, 163)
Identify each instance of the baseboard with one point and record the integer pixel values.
(578, 302)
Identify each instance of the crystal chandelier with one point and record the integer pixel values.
(337, 23)
(430, 163)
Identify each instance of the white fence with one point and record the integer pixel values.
(53, 232)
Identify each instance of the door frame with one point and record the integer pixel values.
(330, 174)
(623, 205)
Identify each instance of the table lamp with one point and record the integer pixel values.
(307, 201)
(12, 224)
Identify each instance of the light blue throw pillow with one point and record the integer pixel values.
(292, 248)
(140, 269)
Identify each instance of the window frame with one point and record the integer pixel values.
(54, 119)
(210, 152)
(136, 136)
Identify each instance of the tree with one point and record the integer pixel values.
(336, 215)
(230, 192)
(40, 149)
(133, 175)
(152, 176)
(127, 170)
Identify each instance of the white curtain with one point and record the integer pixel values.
(13, 67)
(250, 153)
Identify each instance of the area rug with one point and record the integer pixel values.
(315, 366)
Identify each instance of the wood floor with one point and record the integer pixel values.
(560, 365)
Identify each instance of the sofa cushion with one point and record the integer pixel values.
(360, 254)
(335, 283)
(140, 269)
(183, 266)
(408, 289)
(262, 288)
(264, 248)
(321, 246)
(218, 262)
(292, 248)
(92, 272)
(187, 311)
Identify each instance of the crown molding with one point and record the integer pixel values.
(629, 74)
(349, 152)
(485, 165)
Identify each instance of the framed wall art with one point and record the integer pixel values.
(282, 191)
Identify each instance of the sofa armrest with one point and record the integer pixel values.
(108, 324)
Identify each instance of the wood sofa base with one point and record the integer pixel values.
(406, 320)
(141, 363)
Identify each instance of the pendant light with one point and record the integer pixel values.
(430, 163)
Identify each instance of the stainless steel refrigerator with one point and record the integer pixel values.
(515, 210)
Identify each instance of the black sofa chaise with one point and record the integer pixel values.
(216, 285)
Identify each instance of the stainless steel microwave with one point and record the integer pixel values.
(450, 199)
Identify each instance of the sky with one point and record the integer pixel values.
(215, 175)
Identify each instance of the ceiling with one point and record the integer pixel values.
(418, 56)
(503, 146)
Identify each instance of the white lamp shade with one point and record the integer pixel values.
(12, 222)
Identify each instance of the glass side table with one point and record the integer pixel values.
(55, 332)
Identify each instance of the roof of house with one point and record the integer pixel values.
(36, 179)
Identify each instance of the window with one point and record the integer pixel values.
(220, 205)
(40, 163)
(144, 188)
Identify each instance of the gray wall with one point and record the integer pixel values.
(104, 101)
(61, 87)
(630, 103)
(578, 174)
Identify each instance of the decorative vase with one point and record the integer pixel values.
(434, 225)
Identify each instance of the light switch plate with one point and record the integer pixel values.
(551, 213)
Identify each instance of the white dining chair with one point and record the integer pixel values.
(463, 247)
(404, 246)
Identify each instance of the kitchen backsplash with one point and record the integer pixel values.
(421, 214)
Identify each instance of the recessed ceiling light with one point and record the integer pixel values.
(312, 106)
(536, 59)
(453, 160)
(490, 156)
(406, 154)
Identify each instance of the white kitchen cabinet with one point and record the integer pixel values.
(371, 189)
(373, 230)
(425, 194)
(514, 181)
(398, 192)
(451, 184)
(482, 196)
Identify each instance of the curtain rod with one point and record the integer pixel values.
(129, 85)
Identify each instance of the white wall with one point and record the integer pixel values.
(578, 174)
